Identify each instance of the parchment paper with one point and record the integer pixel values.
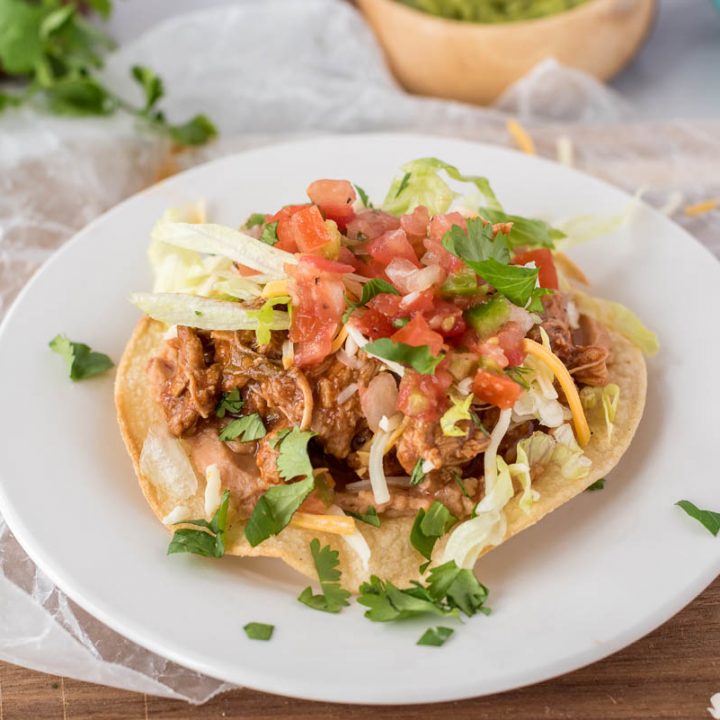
(270, 70)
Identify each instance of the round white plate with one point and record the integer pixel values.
(598, 574)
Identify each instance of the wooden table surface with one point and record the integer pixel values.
(671, 673)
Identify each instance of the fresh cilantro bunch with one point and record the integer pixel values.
(52, 53)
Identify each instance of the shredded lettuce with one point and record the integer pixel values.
(203, 313)
(421, 184)
(619, 318)
(520, 470)
(460, 410)
(568, 455)
(605, 398)
(540, 401)
(225, 242)
(265, 317)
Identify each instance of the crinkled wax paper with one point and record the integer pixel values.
(268, 70)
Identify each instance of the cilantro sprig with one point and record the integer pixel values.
(449, 591)
(275, 509)
(418, 474)
(54, 53)
(230, 403)
(81, 361)
(209, 541)
(334, 597)
(373, 287)
(419, 358)
(244, 429)
(428, 527)
(435, 637)
(490, 258)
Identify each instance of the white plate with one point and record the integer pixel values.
(596, 575)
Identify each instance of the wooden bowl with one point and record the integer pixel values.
(475, 62)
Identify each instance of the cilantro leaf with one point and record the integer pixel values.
(80, 96)
(435, 637)
(230, 402)
(373, 287)
(254, 220)
(371, 517)
(417, 475)
(597, 485)
(489, 258)
(418, 358)
(709, 519)
(526, 232)
(364, 199)
(81, 361)
(458, 479)
(21, 47)
(458, 587)
(333, 597)
(293, 460)
(275, 509)
(258, 631)
(200, 542)
(428, 527)
(521, 375)
(246, 428)
(196, 131)
(387, 603)
(269, 233)
(151, 84)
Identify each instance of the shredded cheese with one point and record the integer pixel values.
(288, 354)
(213, 495)
(335, 524)
(395, 436)
(521, 136)
(275, 288)
(337, 343)
(702, 207)
(582, 430)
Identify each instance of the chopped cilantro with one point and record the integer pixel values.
(208, 542)
(245, 429)
(520, 375)
(373, 287)
(490, 257)
(597, 485)
(370, 517)
(259, 631)
(459, 588)
(526, 232)
(293, 460)
(710, 520)
(418, 474)
(275, 509)
(458, 479)
(400, 322)
(428, 527)
(333, 597)
(269, 233)
(80, 360)
(364, 199)
(478, 423)
(435, 637)
(418, 358)
(230, 403)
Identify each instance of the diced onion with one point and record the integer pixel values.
(388, 424)
(465, 386)
(288, 354)
(376, 470)
(347, 360)
(428, 466)
(213, 497)
(347, 393)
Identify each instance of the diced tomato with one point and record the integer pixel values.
(286, 235)
(415, 225)
(388, 305)
(345, 255)
(392, 244)
(371, 269)
(512, 340)
(436, 253)
(325, 265)
(374, 324)
(497, 390)
(446, 319)
(543, 260)
(421, 302)
(424, 397)
(335, 198)
(492, 354)
(309, 231)
(318, 304)
(418, 333)
(369, 224)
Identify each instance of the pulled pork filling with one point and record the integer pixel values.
(193, 370)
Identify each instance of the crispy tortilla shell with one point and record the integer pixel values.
(393, 558)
